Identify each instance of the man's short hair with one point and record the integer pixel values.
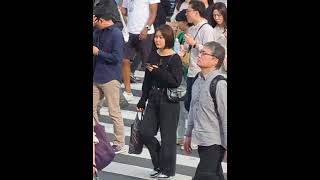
(198, 6)
(217, 50)
(102, 12)
(181, 16)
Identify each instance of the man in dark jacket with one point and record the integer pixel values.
(108, 54)
(109, 5)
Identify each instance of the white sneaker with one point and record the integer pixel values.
(128, 96)
(154, 173)
(163, 176)
(118, 149)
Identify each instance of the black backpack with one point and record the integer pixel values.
(213, 86)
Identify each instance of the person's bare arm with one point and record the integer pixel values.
(153, 8)
(152, 17)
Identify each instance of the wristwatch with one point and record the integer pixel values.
(148, 27)
(194, 46)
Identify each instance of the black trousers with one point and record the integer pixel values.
(209, 167)
(160, 113)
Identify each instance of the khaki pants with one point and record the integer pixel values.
(111, 91)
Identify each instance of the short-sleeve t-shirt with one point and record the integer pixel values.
(138, 14)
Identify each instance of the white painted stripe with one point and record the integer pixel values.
(184, 160)
(135, 86)
(134, 100)
(136, 171)
(109, 129)
(139, 74)
(181, 159)
(125, 114)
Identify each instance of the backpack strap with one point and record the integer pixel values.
(213, 87)
(195, 78)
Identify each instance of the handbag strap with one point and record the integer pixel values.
(122, 19)
(141, 115)
(190, 47)
(171, 58)
(199, 30)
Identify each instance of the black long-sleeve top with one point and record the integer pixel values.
(168, 75)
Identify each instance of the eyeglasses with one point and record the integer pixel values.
(202, 53)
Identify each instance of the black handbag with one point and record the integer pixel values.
(136, 144)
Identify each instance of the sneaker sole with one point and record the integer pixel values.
(121, 151)
(155, 176)
(129, 98)
(164, 177)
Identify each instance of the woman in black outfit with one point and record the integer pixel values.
(163, 70)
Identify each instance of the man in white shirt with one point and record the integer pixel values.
(200, 33)
(141, 16)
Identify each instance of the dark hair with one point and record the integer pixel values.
(221, 7)
(198, 6)
(102, 13)
(181, 16)
(217, 50)
(178, 4)
(210, 2)
(106, 17)
(167, 34)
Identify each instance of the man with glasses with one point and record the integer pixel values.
(200, 33)
(208, 123)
